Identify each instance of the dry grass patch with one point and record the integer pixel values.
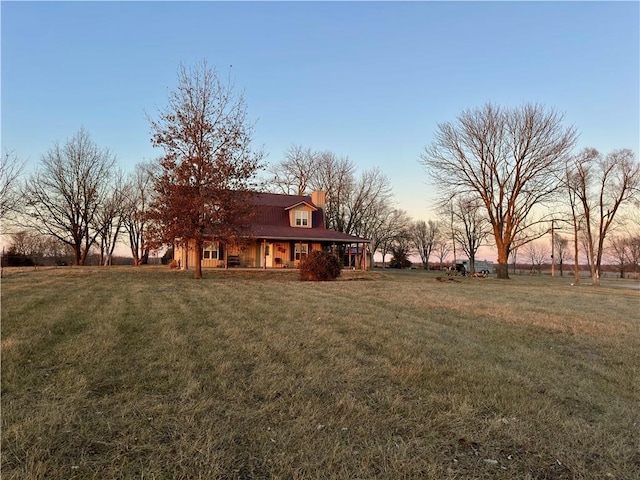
(147, 373)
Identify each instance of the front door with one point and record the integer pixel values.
(266, 257)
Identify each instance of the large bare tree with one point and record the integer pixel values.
(64, 196)
(424, 236)
(537, 252)
(619, 252)
(509, 159)
(470, 226)
(369, 199)
(335, 176)
(393, 226)
(138, 196)
(356, 205)
(110, 217)
(601, 184)
(442, 248)
(294, 174)
(10, 195)
(208, 167)
(634, 254)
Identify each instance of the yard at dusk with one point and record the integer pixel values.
(147, 373)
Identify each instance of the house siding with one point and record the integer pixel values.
(275, 236)
(281, 255)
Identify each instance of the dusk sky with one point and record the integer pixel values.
(367, 80)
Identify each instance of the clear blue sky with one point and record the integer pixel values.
(366, 80)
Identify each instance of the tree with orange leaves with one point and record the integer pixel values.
(208, 168)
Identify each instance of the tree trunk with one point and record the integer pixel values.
(77, 255)
(595, 273)
(197, 272)
(576, 261)
(503, 271)
(503, 259)
(593, 266)
(102, 253)
(83, 259)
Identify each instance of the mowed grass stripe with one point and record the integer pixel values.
(146, 373)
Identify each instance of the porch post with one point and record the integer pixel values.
(365, 256)
(264, 253)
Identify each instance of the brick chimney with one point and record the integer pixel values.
(319, 198)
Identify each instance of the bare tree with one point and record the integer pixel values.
(507, 158)
(443, 248)
(293, 175)
(354, 205)
(208, 168)
(561, 250)
(470, 226)
(634, 237)
(424, 236)
(513, 254)
(537, 253)
(26, 242)
(10, 195)
(393, 227)
(136, 221)
(110, 217)
(336, 176)
(576, 215)
(619, 249)
(41, 249)
(369, 199)
(64, 195)
(601, 185)
(401, 248)
(634, 254)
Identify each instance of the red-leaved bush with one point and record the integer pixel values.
(319, 266)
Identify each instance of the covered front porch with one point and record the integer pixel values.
(289, 254)
(271, 253)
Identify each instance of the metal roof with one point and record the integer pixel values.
(271, 221)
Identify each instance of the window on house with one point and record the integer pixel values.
(210, 251)
(301, 250)
(302, 218)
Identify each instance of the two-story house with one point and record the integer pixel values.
(283, 230)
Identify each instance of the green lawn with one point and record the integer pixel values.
(146, 373)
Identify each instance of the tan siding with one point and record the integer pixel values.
(301, 208)
(250, 256)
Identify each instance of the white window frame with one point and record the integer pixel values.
(302, 218)
(210, 250)
(301, 250)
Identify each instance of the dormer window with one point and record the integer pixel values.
(300, 214)
(302, 218)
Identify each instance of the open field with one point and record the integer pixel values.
(146, 373)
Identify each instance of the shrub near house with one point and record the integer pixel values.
(320, 266)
